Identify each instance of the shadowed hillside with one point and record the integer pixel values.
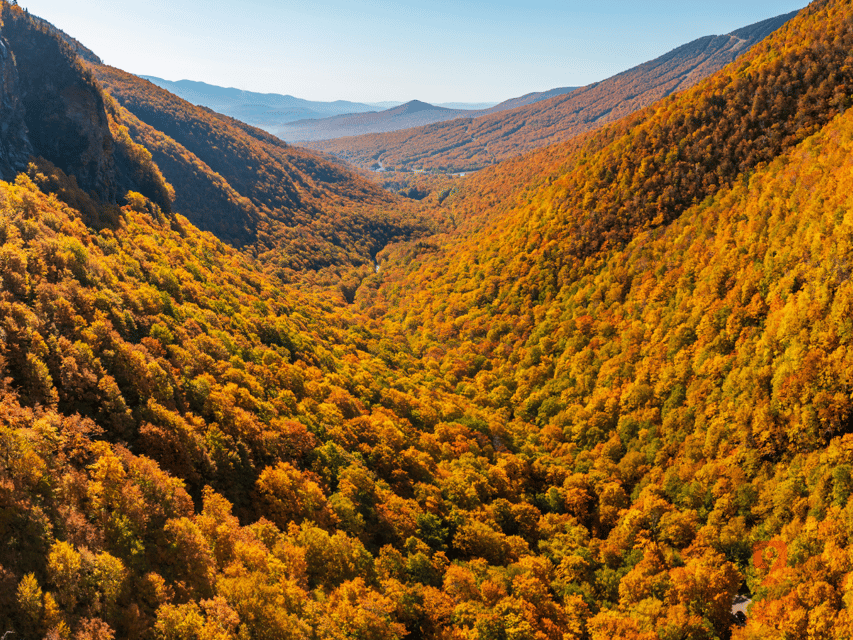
(54, 109)
(251, 189)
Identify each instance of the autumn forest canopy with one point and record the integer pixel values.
(599, 390)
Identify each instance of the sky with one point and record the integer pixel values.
(377, 50)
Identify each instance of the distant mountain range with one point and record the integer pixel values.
(296, 119)
(259, 108)
(271, 110)
(406, 116)
(539, 120)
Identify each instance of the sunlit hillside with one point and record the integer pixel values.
(596, 392)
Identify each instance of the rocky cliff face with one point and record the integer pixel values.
(15, 146)
(63, 109)
(51, 106)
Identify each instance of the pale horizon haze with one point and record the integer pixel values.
(373, 51)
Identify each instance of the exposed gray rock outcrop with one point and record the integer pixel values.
(52, 107)
(15, 146)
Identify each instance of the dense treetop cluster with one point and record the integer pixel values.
(593, 393)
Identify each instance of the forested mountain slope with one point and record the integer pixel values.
(253, 190)
(571, 201)
(243, 184)
(467, 145)
(592, 411)
(529, 98)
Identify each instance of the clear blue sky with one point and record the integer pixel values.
(373, 50)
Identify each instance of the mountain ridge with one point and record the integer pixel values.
(269, 110)
(57, 111)
(416, 113)
(223, 99)
(470, 145)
